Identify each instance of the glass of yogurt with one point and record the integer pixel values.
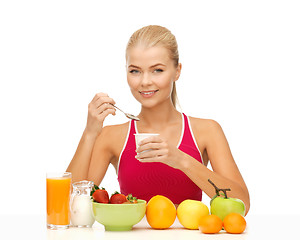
(81, 205)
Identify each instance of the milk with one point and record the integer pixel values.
(81, 211)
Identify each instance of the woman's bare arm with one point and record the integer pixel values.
(98, 109)
(106, 151)
(101, 157)
(225, 172)
(80, 163)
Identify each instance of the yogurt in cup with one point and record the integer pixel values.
(141, 136)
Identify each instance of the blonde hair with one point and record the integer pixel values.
(154, 35)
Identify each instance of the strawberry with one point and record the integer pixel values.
(117, 198)
(131, 199)
(100, 195)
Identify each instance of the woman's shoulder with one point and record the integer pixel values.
(115, 130)
(112, 137)
(202, 126)
(204, 123)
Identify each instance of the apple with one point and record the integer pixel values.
(223, 205)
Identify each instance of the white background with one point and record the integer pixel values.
(240, 61)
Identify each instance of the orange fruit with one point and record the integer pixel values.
(160, 212)
(210, 224)
(234, 223)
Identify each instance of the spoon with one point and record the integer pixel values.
(128, 115)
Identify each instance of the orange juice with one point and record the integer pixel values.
(58, 200)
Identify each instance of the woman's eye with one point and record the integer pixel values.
(158, 70)
(134, 71)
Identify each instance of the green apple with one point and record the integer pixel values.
(222, 206)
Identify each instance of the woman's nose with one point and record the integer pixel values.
(146, 80)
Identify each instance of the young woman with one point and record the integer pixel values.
(175, 164)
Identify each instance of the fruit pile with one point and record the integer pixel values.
(227, 213)
(101, 196)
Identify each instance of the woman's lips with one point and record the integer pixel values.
(148, 94)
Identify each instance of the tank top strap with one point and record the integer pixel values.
(132, 127)
(187, 131)
(129, 142)
(188, 143)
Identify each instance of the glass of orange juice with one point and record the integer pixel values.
(58, 200)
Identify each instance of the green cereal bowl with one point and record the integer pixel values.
(119, 217)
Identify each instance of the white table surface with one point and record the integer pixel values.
(258, 227)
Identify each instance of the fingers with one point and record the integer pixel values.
(152, 155)
(152, 149)
(106, 112)
(160, 159)
(102, 111)
(153, 142)
(98, 95)
(156, 139)
(101, 103)
(155, 149)
(148, 146)
(105, 107)
(101, 98)
(98, 109)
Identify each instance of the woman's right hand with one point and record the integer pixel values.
(98, 109)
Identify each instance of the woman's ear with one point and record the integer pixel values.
(178, 71)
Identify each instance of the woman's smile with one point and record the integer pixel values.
(148, 94)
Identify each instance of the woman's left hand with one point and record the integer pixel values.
(156, 149)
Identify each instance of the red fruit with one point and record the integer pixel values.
(101, 196)
(131, 199)
(118, 198)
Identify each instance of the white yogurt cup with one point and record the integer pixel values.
(141, 136)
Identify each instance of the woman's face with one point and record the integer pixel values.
(150, 74)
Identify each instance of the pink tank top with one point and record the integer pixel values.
(145, 180)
